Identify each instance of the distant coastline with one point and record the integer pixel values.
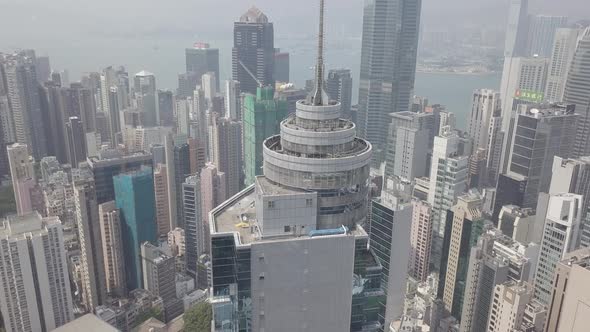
(454, 71)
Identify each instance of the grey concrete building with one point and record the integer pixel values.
(388, 66)
(410, 139)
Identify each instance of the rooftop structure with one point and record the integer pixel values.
(298, 229)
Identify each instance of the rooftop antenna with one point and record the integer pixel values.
(319, 96)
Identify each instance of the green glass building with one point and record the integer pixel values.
(135, 199)
(262, 117)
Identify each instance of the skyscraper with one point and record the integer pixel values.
(388, 66)
(410, 139)
(35, 285)
(262, 117)
(542, 30)
(302, 245)
(227, 152)
(114, 87)
(22, 175)
(56, 112)
(420, 240)
(134, 196)
(233, 107)
(339, 88)
(161, 200)
(494, 148)
(146, 98)
(517, 29)
(76, 141)
(494, 261)
(209, 85)
(524, 76)
(111, 231)
(91, 253)
(564, 48)
(107, 165)
(549, 131)
(202, 59)
(577, 92)
(485, 104)
(166, 108)
(23, 95)
(213, 190)
(562, 223)
(253, 52)
(463, 227)
(448, 180)
(178, 167)
(391, 223)
(194, 225)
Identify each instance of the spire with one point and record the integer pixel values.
(319, 96)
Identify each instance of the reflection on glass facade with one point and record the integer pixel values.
(134, 196)
(368, 297)
(231, 279)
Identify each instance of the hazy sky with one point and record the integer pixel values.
(84, 35)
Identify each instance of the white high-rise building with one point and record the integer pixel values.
(484, 105)
(523, 75)
(564, 48)
(448, 180)
(232, 100)
(34, 284)
(494, 148)
(409, 139)
(562, 223)
(209, 85)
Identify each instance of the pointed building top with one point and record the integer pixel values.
(254, 15)
(319, 96)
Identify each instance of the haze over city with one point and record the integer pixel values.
(290, 166)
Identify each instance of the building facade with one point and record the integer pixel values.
(262, 117)
(134, 197)
(35, 285)
(388, 66)
(253, 52)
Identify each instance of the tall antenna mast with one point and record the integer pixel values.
(319, 96)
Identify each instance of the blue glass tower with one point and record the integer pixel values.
(134, 196)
